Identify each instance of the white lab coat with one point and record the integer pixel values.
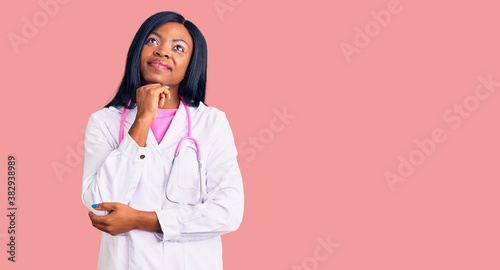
(115, 173)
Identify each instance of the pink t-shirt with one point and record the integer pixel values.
(160, 124)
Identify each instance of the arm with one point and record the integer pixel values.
(124, 218)
(221, 210)
(110, 173)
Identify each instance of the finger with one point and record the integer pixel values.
(158, 90)
(106, 206)
(97, 206)
(152, 87)
(97, 219)
(163, 89)
(162, 99)
(100, 226)
(167, 92)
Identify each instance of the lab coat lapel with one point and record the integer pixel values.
(177, 129)
(151, 139)
(179, 126)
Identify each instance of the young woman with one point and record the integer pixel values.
(154, 211)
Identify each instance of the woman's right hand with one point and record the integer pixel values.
(148, 98)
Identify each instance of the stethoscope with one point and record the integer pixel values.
(177, 150)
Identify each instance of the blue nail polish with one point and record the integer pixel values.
(94, 205)
(170, 99)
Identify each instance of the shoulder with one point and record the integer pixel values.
(107, 113)
(215, 128)
(104, 125)
(210, 115)
(106, 119)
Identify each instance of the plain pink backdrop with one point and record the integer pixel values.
(318, 175)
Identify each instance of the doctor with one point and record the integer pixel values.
(153, 214)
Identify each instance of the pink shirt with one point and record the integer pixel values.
(160, 124)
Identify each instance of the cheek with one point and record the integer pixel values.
(185, 63)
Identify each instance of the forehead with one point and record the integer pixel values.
(172, 30)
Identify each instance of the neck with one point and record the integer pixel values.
(170, 104)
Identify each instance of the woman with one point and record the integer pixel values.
(145, 223)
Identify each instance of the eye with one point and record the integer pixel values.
(151, 39)
(179, 46)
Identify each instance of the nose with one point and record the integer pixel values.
(161, 52)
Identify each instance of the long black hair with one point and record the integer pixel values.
(191, 88)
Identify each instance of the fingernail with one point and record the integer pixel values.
(170, 99)
(94, 205)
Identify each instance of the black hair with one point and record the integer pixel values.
(191, 88)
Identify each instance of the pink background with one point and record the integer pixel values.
(317, 177)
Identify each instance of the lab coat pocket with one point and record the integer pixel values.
(113, 252)
(203, 254)
(185, 181)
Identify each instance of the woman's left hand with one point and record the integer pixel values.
(121, 219)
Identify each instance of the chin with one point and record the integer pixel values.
(152, 80)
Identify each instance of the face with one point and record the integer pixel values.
(166, 54)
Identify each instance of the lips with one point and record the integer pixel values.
(159, 64)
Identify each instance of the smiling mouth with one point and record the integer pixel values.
(159, 65)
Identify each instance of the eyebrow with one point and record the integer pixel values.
(172, 39)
